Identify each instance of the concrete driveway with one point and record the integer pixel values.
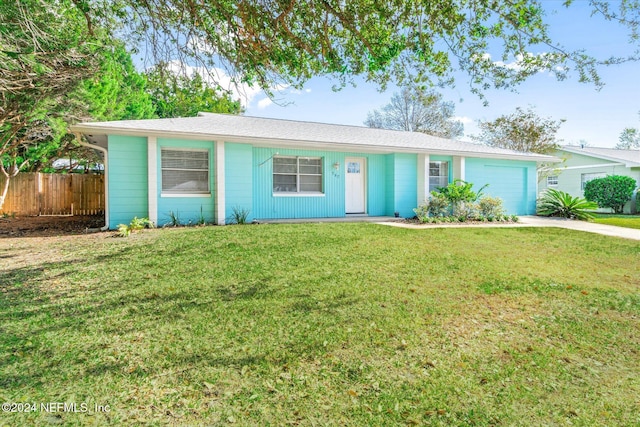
(539, 221)
(590, 227)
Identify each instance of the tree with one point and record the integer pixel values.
(520, 131)
(416, 110)
(629, 139)
(118, 91)
(43, 56)
(269, 42)
(115, 92)
(175, 95)
(613, 191)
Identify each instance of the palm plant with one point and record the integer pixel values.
(558, 203)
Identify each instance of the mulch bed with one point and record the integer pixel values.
(34, 226)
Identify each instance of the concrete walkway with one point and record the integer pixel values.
(538, 221)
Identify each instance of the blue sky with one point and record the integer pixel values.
(596, 116)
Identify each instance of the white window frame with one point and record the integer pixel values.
(297, 174)
(552, 181)
(185, 193)
(586, 177)
(442, 178)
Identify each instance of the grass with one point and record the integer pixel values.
(323, 324)
(628, 221)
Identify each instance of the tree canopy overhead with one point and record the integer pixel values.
(287, 41)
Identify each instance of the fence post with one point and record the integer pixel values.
(40, 192)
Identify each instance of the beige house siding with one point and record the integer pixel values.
(571, 170)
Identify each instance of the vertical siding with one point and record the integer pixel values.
(238, 178)
(127, 179)
(331, 203)
(515, 182)
(406, 184)
(376, 184)
(390, 195)
(187, 208)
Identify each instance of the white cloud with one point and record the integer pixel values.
(247, 94)
(264, 103)
(464, 119)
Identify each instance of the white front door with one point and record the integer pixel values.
(355, 202)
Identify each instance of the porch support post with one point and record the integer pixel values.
(220, 209)
(152, 170)
(458, 168)
(423, 178)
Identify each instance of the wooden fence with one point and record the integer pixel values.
(54, 194)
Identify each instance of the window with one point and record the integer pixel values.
(297, 175)
(552, 181)
(438, 175)
(586, 177)
(185, 171)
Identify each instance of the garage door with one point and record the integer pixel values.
(508, 183)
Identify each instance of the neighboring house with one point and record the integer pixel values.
(582, 164)
(276, 169)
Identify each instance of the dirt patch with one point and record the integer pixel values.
(36, 226)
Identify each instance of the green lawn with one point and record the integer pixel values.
(323, 324)
(629, 221)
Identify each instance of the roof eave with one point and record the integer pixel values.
(92, 129)
(626, 162)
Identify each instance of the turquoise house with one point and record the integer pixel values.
(206, 166)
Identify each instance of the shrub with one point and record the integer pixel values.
(459, 194)
(422, 212)
(490, 207)
(467, 210)
(558, 203)
(135, 225)
(439, 205)
(174, 219)
(460, 191)
(239, 215)
(610, 192)
(436, 206)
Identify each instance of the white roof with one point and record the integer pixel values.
(287, 133)
(631, 158)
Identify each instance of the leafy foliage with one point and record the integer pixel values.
(459, 192)
(239, 215)
(520, 131)
(558, 203)
(134, 226)
(271, 42)
(118, 91)
(174, 219)
(43, 56)
(436, 206)
(175, 95)
(458, 202)
(417, 110)
(288, 42)
(490, 207)
(612, 191)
